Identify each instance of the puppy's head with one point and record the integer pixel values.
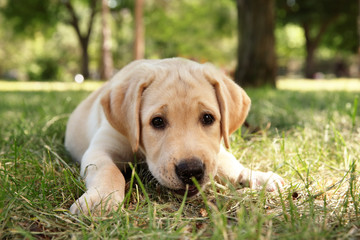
(177, 112)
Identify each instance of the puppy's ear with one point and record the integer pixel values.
(233, 101)
(122, 108)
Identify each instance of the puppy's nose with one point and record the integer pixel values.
(188, 168)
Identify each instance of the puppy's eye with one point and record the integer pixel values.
(207, 119)
(158, 122)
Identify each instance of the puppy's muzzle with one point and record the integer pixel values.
(187, 169)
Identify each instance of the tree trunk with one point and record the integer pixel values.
(85, 58)
(309, 61)
(312, 43)
(83, 38)
(106, 65)
(139, 43)
(311, 46)
(256, 43)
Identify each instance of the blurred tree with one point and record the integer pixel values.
(256, 43)
(324, 22)
(28, 17)
(106, 63)
(83, 37)
(202, 30)
(139, 41)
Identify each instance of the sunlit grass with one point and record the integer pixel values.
(282, 83)
(49, 86)
(311, 138)
(319, 84)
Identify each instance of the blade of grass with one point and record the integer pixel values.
(181, 208)
(141, 185)
(151, 207)
(354, 112)
(128, 194)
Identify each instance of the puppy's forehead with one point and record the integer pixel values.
(179, 87)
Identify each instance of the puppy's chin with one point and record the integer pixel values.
(192, 191)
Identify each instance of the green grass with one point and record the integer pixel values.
(311, 138)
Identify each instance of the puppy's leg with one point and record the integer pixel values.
(230, 169)
(104, 182)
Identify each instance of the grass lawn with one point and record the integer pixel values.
(311, 138)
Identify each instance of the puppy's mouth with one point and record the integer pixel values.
(191, 191)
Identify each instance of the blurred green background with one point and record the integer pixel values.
(56, 39)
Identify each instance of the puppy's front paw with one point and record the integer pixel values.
(272, 180)
(257, 180)
(97, 202)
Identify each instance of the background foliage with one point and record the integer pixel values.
(40, 42)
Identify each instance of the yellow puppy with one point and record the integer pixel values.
(174, 113)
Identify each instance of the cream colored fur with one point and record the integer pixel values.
(114, 123)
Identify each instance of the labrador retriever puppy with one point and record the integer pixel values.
(174, 113)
